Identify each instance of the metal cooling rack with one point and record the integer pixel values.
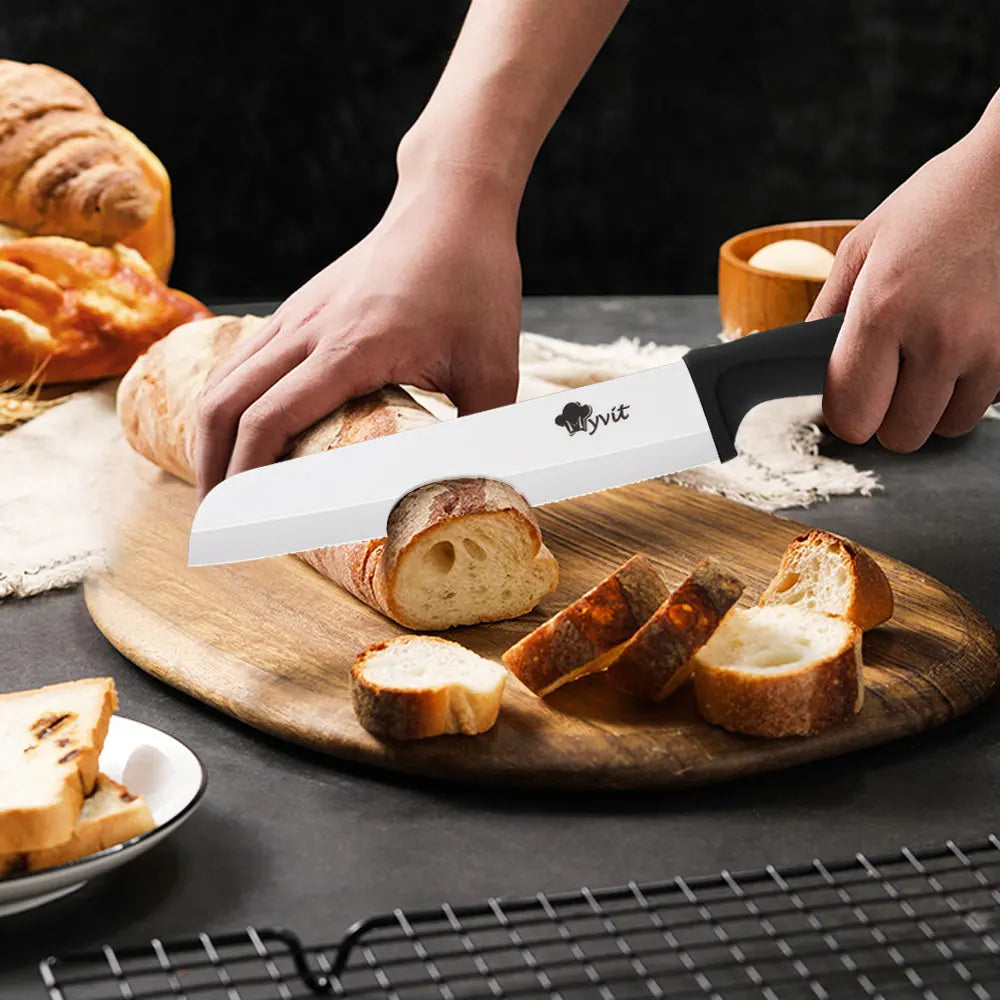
(915, 924)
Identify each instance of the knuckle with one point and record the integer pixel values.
(259, 421)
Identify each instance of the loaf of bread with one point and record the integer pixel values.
(824, 572)
(780, 671)
(456, 553)
(585, 637)
(417, 686)
(154, 239)
(51, 740)
(72, 312)
(657, 659)
(110, 815)
(62, 170)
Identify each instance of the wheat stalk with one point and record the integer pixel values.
(20, 403)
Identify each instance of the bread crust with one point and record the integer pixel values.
(778, 703)
(657, 660)
(871, 601)
(581, 638)
(415, 713)
(157, 407)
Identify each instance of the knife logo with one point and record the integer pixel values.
(577, 417)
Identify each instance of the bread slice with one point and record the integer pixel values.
(463, 552)
(111, 815)
(50, 739)
(584, 638)
(657, 659)
(416, 686)
(780, 671)
(824, 572)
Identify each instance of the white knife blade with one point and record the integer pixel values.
(550, 448)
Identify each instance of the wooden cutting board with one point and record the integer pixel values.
(271, 643)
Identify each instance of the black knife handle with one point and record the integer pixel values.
(731, 379)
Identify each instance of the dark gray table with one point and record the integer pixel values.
(290, 838)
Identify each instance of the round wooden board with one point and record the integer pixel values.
(271, 643)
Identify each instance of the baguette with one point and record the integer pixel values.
(657, 660)
(50, 739)
(111, 815)
(417, 686)
(456, 553)
(824, 572)
(780, 671)
(583, 638)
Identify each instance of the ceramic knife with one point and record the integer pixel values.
(624, 430)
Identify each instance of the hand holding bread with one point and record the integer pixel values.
(456, 553)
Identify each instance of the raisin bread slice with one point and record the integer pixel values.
(50, 739)
(111, 815)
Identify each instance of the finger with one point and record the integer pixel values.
(973, 396)
(921, 395)
(312, 390)
(240, 353)
(836, 290)
(861, 375)
(221, 409)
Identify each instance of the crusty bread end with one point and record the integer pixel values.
(824, 572)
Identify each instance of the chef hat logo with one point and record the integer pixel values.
(574, 417)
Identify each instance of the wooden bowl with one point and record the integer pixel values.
(751, 299)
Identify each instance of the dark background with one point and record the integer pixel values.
(278, 123)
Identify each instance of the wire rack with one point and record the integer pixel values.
(914, 924)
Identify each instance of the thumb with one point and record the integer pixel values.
(836, 290)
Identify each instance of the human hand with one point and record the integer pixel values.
(431, 298)
(919, 282)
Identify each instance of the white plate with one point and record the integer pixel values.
(148, 762)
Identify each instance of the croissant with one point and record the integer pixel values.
(73, 312)
(62, 170)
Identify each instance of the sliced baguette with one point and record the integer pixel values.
(780, 671)
(417, 686)
(50, 739)
(583, 638)
(657, 659)
(824, 572)
(111, 815)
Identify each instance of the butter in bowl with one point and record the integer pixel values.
(770, 277)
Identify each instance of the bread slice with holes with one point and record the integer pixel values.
(780, 670)
(657, 659)
(50, 739)
(586, 636)
(821, 571)
(111, 815)
(417, 686)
